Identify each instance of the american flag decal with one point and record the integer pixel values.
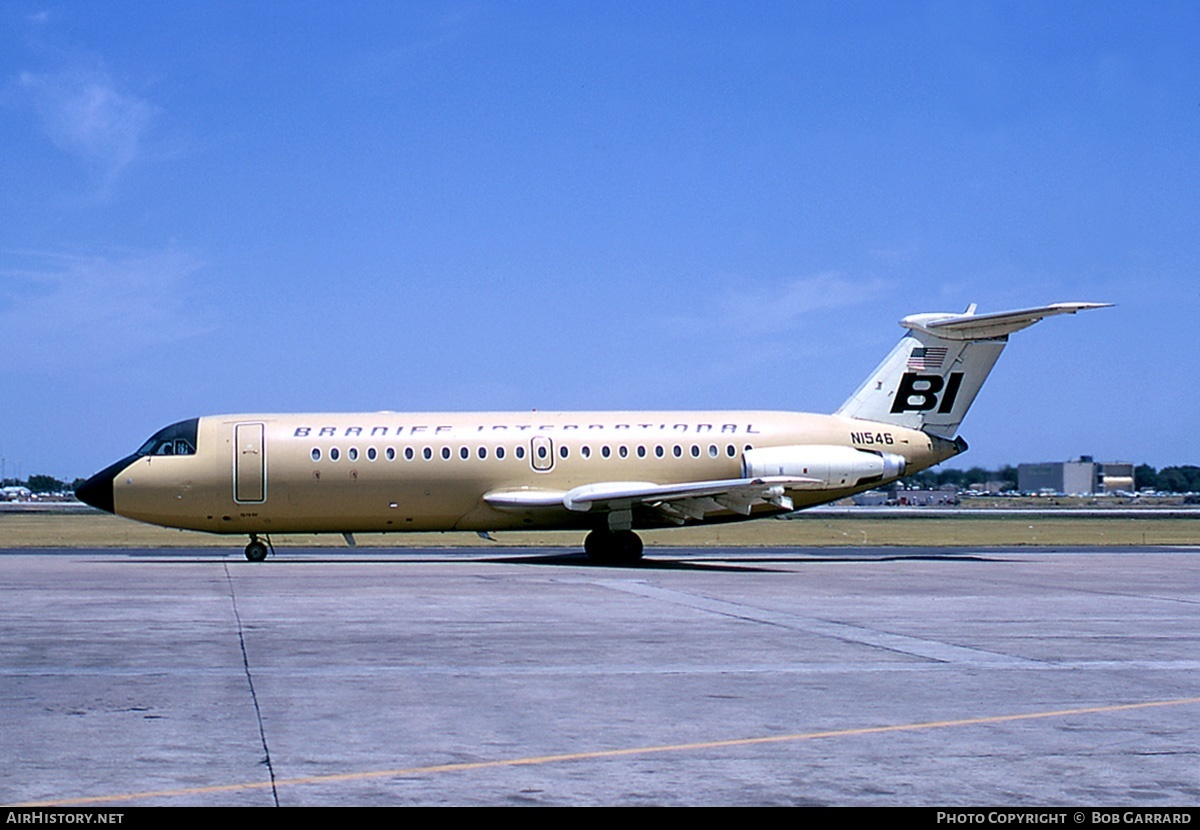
(923, 358)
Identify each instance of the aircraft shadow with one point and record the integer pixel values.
(580, 560)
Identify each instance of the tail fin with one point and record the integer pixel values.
(933, 375)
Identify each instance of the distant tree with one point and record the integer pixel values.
(978, 475)
(934, 478)
(1145, 476)
(1185, 479)
(919, 479)
(950, 476)
(45, 484)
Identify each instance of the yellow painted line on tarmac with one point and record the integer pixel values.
(407, 772)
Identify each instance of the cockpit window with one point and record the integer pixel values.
(177, 439)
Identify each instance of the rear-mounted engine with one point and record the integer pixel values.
(827, 467)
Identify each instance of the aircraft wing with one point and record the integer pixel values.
(676, 502)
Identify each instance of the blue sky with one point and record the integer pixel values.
(247, 207)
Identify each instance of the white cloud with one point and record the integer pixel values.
(759, 308)
(85, 114)
(88, 311)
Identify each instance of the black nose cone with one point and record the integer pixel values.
(98, 490)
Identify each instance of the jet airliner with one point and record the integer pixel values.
(607, 473)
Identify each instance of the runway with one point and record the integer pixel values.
(867, 676)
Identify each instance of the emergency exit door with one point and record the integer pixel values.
(541, 453)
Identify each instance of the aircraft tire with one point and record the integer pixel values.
(619, 547)
(630, 544)
(256, 551)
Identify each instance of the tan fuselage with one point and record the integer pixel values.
(385, 471)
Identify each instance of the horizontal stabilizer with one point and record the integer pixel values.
(972, 326)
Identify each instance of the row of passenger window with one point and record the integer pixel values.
(564, 451)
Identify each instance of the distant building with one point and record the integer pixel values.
(948, 494)
(1117, 477)
(893, 494)
(1082, 477)
(871, 498)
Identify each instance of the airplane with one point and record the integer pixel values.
(607, 473)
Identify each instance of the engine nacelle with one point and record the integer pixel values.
(830, 467)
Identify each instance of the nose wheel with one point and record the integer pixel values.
(257, 551)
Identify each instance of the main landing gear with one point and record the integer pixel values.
(257, 551)
(613, 547)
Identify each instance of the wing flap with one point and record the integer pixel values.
(679, 502)
(622, 494)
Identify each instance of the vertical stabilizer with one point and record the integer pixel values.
(930, 379)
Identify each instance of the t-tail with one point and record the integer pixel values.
(931, 378)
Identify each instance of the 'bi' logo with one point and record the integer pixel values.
(919, 393)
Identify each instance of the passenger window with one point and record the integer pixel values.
(371, 453)
(482, 453)
(391, 453)
(446, 453)
(585, 451)
(427, 453)
(520, 451)
(641, 451)
(713, 452)
(352, 453)
(464, 453)
(731, 450)
(623, 451)
(695, 451)
(500, 452)
(658, 451)
(334, 454)
(677, 451)
(562, 451)
(605, 451)
(316, 454)
(408, 453)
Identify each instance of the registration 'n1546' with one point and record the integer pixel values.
(871, 438)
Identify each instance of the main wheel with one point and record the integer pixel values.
(629, 546)
(613, 547)
(256, 551)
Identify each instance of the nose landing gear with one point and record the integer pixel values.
(257, 551)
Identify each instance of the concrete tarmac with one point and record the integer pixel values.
(505, 677)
